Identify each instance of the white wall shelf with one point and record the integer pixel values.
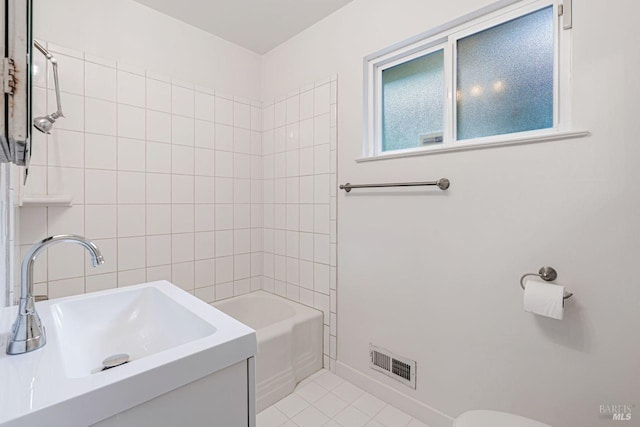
(46, 200)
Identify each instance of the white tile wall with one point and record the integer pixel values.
(8, 218)
(166, 178)
(299, 170)
(219, 194)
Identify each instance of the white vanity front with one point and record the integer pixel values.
(187, 362)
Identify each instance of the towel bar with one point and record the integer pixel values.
(442, 183)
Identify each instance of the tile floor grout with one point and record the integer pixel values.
(324, 399)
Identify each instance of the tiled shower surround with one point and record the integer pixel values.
(299, 171)
(219, 194)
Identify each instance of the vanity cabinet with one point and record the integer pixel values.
(225, 398)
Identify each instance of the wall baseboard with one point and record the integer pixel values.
(411, 406)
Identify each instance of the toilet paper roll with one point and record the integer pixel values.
(544, 299)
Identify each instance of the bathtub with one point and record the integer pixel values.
(289, 341)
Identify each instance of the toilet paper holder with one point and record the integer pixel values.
(548, 274)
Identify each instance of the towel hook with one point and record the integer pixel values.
(548, 274)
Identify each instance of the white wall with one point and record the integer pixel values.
(129, 32)
(434, 276)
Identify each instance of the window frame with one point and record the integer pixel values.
(386, 64)
(445, 37)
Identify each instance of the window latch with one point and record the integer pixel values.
(565, 10)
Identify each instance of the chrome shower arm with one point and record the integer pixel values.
(54, 64)
(42, 49)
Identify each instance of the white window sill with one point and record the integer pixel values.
(476, 145)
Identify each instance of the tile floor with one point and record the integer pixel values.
(324, 399)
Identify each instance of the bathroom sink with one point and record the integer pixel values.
(171, 339)
(138, 323)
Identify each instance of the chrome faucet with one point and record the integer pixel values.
(27, 333)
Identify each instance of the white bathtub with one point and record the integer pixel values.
(289, 341)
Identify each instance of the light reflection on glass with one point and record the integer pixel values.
(476, 90)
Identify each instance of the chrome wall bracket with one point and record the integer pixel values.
(548, 274)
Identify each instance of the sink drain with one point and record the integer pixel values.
(115, 360)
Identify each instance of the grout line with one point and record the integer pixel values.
(84, 184)
(117, 175)
(171, 179)
(146, 261)
(193, 211)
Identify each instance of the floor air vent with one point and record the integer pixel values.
(400, 368)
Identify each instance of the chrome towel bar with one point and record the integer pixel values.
(442, 183)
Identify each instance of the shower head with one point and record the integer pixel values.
(44, 124)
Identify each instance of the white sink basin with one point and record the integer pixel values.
(140, 322)
(172, 339)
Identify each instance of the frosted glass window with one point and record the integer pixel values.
(413, 102)
(487, 77)
(505, 77)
